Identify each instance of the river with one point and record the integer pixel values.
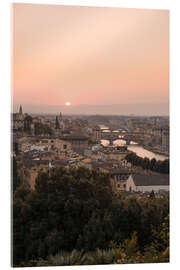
(139, 150)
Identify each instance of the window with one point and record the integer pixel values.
(118, 185)
(124, 185)
(65, 146)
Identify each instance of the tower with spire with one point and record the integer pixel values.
(20, 114)
(61, 122)
(60, 117)
(20, 110)
(57, 123)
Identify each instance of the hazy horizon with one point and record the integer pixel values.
(113, 109)
(100, 57)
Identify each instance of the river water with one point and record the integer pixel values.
(139, 150)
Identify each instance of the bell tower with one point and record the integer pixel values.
(20, 110)
(60, 117)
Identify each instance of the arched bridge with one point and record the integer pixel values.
(122, 135)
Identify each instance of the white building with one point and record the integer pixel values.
(147, 183)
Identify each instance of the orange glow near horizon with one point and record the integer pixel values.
(68, 103)
(89, 55)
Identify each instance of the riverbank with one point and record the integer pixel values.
(140, 150)
(149, 148)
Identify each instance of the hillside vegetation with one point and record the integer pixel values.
(72, 218)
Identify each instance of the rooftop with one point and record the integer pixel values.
(151, 180)
(74, 137)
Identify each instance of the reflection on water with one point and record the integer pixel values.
(116, 142)
(106, 130)
(105, 142)
(103, 127)
(139, 150)
(133, 142)
(119, 142)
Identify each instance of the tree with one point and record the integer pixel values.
(145, 163)
(152, 164)
(16, 178)
(75, 208)
(152, 195)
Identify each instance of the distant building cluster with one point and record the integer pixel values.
(41, 142)
(18, 120)
(152, 131)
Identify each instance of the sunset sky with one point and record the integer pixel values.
(89, 56)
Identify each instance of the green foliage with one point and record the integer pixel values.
(99, 256)
(75, 209)
(67, 258)
(161, 235)
(15, 176)
(145, 163)
(152, 195)
(131, 245)
(127, 252)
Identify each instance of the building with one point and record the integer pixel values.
(165, 140)
(57, 145)
(79, 142)
(96, 135)
(59, 123)
(18, 120)
(148, 183)
(118, 153)
(119, 178)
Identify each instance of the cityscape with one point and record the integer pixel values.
(108, 144)
(90, 178)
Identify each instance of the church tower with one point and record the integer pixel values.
(61, 122)
(20, 114)
(20, 110)
(60, 117)
(57, 123)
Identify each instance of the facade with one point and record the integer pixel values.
(18, 120)
(43, 144)
(119, 179)
(59, 123)
(165, 140)
(96, 136)
(78, 142)
(148, 183)
(118, 154)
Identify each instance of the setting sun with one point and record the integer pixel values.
(68, 103)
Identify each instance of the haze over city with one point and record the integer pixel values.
(100, 60)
